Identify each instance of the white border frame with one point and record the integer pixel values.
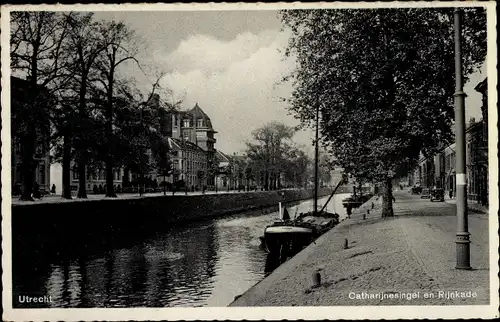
(251, 313)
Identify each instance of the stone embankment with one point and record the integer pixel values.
(65, 220)
(405, 260)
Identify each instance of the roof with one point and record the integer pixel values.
(481, 87)
(198, 113)
(176, 144)
(18, 85)
(221, 156)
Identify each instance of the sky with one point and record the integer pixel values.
(229, 62)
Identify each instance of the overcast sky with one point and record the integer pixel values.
(229, 63)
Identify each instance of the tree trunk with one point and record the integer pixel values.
(387, 198)
(82, 178)
(82, 161)
(66, 168)
(110, 191)
(126, 177)
(28, 166)
(29, 146)
(141, 183)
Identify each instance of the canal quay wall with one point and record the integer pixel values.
(109, 217)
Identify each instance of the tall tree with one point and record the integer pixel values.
(119, 48)
(85, 45)
(297, 167)
(268, 147)
(36, 53)
(383, 80)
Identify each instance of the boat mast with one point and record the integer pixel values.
(316, 151)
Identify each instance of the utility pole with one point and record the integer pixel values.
(463, 235)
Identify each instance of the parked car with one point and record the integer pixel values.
(416, 190)
(426, 193)
(437, 194)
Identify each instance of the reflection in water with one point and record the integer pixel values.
(205, 263)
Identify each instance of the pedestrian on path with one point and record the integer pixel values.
(349, 211)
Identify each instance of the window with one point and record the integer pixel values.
(200, 122)
(75, 173)
(186, 123)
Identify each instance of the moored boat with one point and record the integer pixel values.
(288, 236)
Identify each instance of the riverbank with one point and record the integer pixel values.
(405, 260)
(74, 222)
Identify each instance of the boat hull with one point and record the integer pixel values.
(285, 240)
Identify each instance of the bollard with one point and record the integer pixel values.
(346, 244)
(316, 279)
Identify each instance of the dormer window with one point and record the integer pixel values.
(186, 123)
(200, 122)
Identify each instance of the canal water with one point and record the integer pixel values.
(205, 263)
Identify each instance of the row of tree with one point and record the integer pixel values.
(272, 160)
(77, 101)
(383, 80)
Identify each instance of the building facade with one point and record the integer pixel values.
(41, 158)
(96, 178)
(194, 127)
(189, 164)
(439, 170)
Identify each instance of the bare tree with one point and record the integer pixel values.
(85, 45)
(36, 52)
(119, 49)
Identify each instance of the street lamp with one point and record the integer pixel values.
(462, 234)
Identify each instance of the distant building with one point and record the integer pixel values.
(194, 126)
(439, 170)
(96, 177)
(42, 152)
(234, 172)
(189, 163)
(222, 180)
